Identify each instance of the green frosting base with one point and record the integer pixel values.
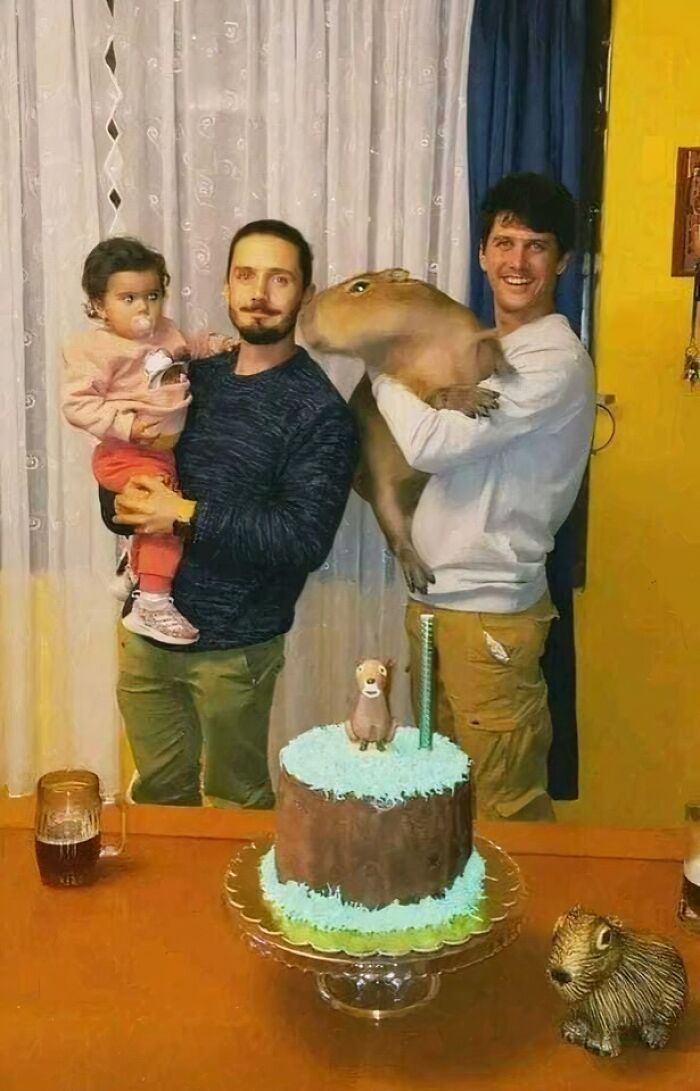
(324, 758)
(456, 931)
(327, 923)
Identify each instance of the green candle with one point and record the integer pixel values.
(427, 648)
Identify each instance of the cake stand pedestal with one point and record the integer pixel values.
(377, 985)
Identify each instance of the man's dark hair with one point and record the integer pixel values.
(534, 200)
(280, 230)
(120, 254)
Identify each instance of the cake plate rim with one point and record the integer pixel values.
(505, 895)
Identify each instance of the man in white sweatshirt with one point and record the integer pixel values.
(501, 488)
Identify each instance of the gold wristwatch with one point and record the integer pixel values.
(183, 527)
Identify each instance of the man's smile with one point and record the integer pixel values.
(517, 281)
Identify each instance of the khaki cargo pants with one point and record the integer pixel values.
(491, 698)
(181, 706)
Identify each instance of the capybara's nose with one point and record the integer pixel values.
(562, 977)
(371, 681)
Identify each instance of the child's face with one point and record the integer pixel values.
(132, 304)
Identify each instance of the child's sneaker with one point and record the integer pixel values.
(124, 580)
(160, 621)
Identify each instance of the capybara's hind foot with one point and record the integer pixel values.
(417, 574)
(655, 1035)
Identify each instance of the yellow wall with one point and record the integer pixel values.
(638, 624)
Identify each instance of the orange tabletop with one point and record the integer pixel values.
(142, 981)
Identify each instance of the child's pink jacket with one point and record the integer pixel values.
(106, 388)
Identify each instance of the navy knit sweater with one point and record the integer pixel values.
(269, 458)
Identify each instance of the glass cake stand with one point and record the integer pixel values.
(377, 985)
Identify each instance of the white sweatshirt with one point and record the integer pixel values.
(502, 485)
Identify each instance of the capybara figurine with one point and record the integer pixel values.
(371, 721)
(436, 347)
(617, 982)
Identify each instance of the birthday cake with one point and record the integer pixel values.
(373, 847)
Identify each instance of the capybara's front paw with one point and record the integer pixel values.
(604, 1045)
(474, 401)
(575, 1031)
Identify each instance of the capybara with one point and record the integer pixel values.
(616, 980)
(436, 347)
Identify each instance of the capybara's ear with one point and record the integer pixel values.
(389, 663)
(395, 274)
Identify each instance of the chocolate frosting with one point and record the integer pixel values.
(374, 855)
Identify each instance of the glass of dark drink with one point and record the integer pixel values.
(689, 906)
(67, 836)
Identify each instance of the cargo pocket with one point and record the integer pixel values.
(486, 701)
(264, 661)
(502, 718)
(503, 682)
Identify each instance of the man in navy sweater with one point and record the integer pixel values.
(265, 465)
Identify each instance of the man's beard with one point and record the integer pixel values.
(261, 335)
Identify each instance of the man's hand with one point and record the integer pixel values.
(149, 505)
(145, 434)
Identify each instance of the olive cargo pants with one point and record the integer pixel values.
(181, 706)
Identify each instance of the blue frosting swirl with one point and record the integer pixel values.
(328, 912)
(324, 758)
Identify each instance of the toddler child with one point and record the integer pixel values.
(126, 384)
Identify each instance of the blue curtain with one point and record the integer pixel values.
(525, 112)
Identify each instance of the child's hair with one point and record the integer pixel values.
(120, 254)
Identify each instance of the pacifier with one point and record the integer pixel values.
(142, 326)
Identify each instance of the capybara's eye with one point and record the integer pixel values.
(603, 938)
(359, 286)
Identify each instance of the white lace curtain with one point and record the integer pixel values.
(57, 644)
(178, 121)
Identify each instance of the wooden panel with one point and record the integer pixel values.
(686, 220)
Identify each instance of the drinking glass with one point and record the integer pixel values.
(67, 835)
(689, 907)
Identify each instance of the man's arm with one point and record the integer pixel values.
(294, 528)
(438, 441)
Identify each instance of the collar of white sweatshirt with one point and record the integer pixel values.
(503, 485)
